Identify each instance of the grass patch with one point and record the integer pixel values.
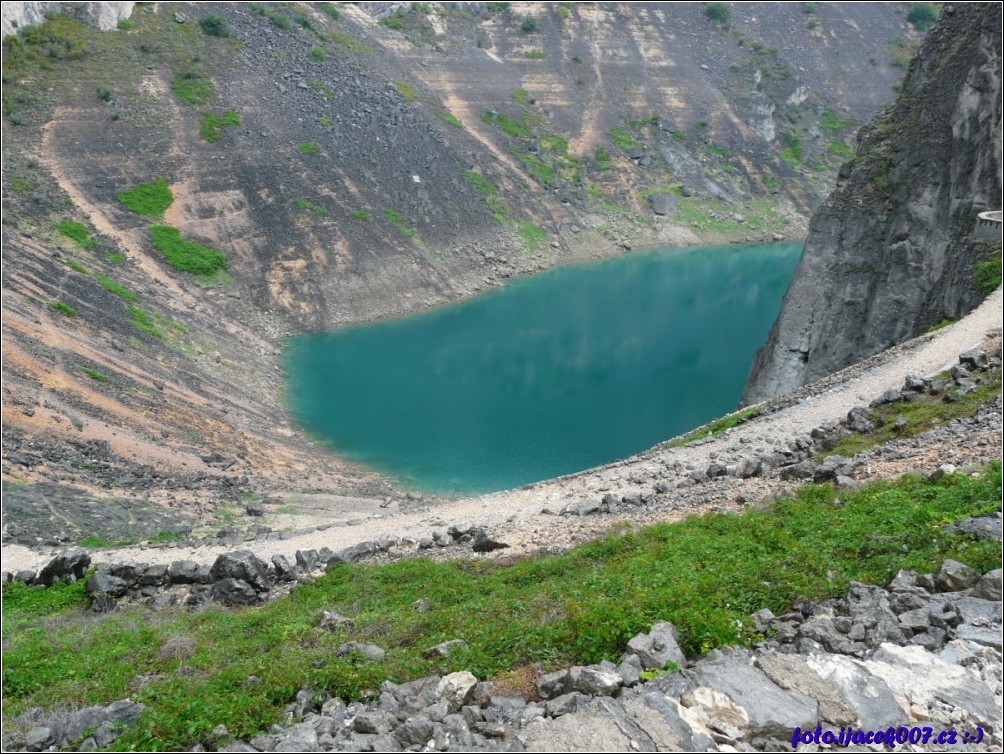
(987, 275)
(839, 149)
(479, 182)
(21, 601)
(276, 18)
(522, 96)
(622, 139)
(192, 88)
(718, 13)
(351, 44)
(214, 26)
(717, 149)
(62, 308)
(76, 266)
(115, 258)
(329, 10)
(921, 415)
(831, 120)
(116, 288)
(212, 124)
(360, 214)
(317, 209)
(901, 52)
(792, 152)
(399, 223)
(717, 426)
(147, 199)
(76, 231)
(406, 90)
(94, 374)
(448, 118)
(602, 159)
(534, 55)
(534, 237)
(307, 147)
(185, 255)
(143, 322)
(542, 172)
(317, 55)
(511, 126)
(706, 575)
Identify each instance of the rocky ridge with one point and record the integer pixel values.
(890, 253)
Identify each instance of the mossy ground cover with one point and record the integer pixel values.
(706, 575)
(185, 255)
(147, 199)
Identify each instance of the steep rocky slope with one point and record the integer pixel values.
(891, 253)
(378, 160)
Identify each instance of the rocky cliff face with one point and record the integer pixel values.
(890, 253)
(105, 16)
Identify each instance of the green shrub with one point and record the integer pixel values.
(622, 138)
(394, 21)
(116, 288)
(479, 182)
(185, 255)
(104, 93)
(399, 222)
(126, 24)
(214, 26)
(304, 20)
(987, 275)
(307, 147)
(901, 52)
(62, 308)
(718, 13)
(534, 237)
(276, 18)
(94, 374)
(533, 55)
(792, 152)
(76, 266)
(360, 214)
(522, 96)
(213, 123)
(564, 10)
(810, 8)
(317, 54)
(509, 125)
(76, 231)
(831, 120)
(529, 25)
(147, 199)
(115, 258)
(602, 158)
(406, 90)
(839, 149)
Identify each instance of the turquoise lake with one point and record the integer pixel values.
(571, 368)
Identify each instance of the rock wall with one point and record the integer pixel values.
(105, 16)
(890, 253)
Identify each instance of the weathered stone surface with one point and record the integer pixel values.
(570, 702)
(594, 681)
(955, 576)
(658, 647)
(792, 672)
(989, 586)
(234, 593)
(243, 565)
(456, 689)
(71, 564)
(102, 582)
(358, 649)
(770, 709)
(553, 684)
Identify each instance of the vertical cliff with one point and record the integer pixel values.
(890, 252)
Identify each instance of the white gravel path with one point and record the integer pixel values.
(515, 515)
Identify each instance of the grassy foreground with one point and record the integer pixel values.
(706, 575)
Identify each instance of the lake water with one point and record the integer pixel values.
(568, 369)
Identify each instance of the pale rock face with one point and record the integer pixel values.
(104, 16)
(889, 253)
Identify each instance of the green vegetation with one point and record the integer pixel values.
(706, 575)
(680, 135)
(923, 15)
(324, 120)
(987, 275)
(406, 90)
(351, 44)
(276, 18)
(499, 210)
(771, 183)
(602, 159)
(543, 172)
(831, 120)
(319, 86)
(812, 23)
(534, 55)
(147, 199)
(921, 414)
(717, 149)
(143, 322)
(521, 95)
(840, 149)
(718, 13)
(94, 374)
(498, 7)
(126, 24)
(213, 123)
(317, 209)
(901, 52)
(534, 237)
(192, 88)
(479, 182)
(760, 214)
(622, 139)
(62, 308)
(76, 231)
(317, 54)
(185, 255)
(329, 10)
(76, 266)
(214, 26)
(940, 325)
(518, 128)
(717, 427)
(115, 288)
(810, 8)
(529, 25)
(399, 222)
(564, 10)
(360, 214)
(303, 20)
(448, 118)
(115, 258)
(792, 152)
(307, 147)
(394, 21)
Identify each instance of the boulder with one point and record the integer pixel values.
(658, 647)
(361, 650)
(955, 576)
(242, 565)
(456, 689)
(68, 565)
(234, 593)
(663, 204)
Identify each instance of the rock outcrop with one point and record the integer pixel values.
(105, 16)
(890, 253)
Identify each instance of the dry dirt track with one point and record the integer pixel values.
(515, 515)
